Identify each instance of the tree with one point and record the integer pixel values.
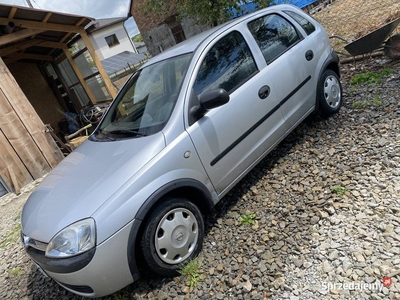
(137, 38)
(210, 12)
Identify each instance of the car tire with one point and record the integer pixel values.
(329, 94)
(173, 235)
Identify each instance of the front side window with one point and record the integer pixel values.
(146, 102)
(274, 35)
(227, 65)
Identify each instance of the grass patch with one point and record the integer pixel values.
(363, 103)
(248, 219)
(12, 237)
(192, 273)
(377, 101)
(370, 78)
(338, 189)
(359, 104)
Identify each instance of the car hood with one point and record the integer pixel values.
(83, 181)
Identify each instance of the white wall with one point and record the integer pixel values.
(103, 51)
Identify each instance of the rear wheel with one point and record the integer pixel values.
(329, 93)
(392, 47)
(173, 235)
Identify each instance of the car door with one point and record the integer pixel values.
(291, 64)
(231, 138)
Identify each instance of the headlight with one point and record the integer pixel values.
(73, 239)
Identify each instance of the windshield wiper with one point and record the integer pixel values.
(133, 132)
(99, 135)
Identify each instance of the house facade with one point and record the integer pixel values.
(160, 33)
(110, 37)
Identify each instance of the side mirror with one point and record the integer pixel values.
(213, 99)
(209, 100)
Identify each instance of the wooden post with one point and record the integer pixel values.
(110, 87)
(78, 73)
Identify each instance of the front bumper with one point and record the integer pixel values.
(95, 273)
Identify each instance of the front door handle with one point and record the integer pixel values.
(309, 55)
(264, 92)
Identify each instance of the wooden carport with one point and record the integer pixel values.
(27, 152)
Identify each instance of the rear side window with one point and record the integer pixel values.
(227, 65)
(274, 35)
(307, 25)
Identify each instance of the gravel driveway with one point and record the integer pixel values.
(327, 216)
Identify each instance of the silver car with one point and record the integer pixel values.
(181, 133)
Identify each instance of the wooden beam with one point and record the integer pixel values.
(12, 12)
(17, 36)
(43, 26)
(52, 45)
(78, 73)
(110, 87)
(61, 41)
(47, 17)
(79, 23)
(18, 47)
(20, 56)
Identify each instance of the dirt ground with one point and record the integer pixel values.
(351, 19)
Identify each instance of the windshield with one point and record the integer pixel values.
(146, 102)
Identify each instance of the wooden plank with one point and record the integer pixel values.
(20, 140)
(43, 26)
(42, 146)
(110, 87)
(19, 47)
(14, 180)
(17, 36)
(78, 73)
(19, 56)
(10, 159)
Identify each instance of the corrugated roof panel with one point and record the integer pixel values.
(121, 61)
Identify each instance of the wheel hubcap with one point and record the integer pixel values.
(332, 91)
(176, 236)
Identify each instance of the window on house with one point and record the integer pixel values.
(112, 40)
(178, 33)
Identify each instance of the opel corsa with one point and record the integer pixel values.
(184, 129)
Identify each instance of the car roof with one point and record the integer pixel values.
(191, 44)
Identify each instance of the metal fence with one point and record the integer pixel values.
(352, 19)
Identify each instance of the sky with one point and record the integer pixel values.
(98, 9)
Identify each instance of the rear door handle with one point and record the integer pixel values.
(264, 92)
(309, 55)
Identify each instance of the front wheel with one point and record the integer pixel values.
(329, 94)
(173, 235)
